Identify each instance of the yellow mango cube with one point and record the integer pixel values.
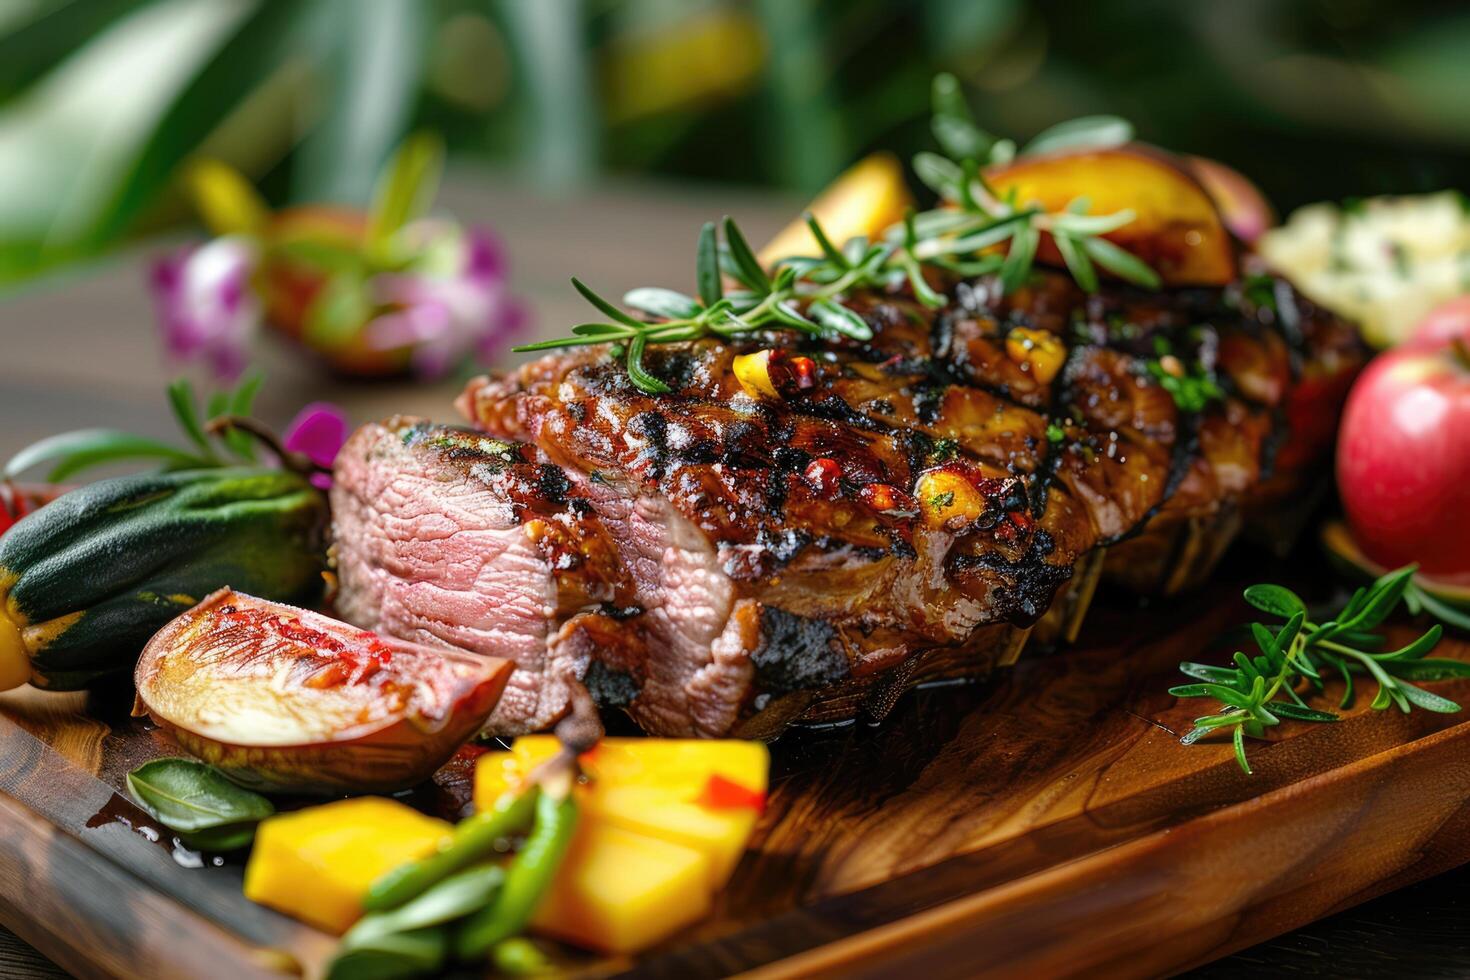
(946, 495)
(495, 773)
(753, 371)
(682, 765)
(1040, 351)
(719, 834)
(651, 785)
(316, 864)
(621, 892)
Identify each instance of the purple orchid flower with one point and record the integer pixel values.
(457, 302)
(318, 432)
(205, 308)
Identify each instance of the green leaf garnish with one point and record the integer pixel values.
(1259, 692)
(808, 293)
(1083, 133)
(70, 453)
(196, 800)
(707, 265)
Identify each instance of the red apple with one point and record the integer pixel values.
(1403, 457)
(1443, 324)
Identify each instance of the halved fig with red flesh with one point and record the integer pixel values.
(284, 699)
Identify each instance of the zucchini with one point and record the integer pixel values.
(87, 579)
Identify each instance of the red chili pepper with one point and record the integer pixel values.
(1014, 526)
(726, 794)
(803, 371)
(824, 476)
(12, 506)
(886, 499)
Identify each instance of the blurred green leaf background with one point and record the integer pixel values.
(101, 101)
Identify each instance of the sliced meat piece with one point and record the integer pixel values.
(449, 537)
(434, 543)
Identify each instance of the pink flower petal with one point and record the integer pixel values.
(205, 310)
(318, 431)
(484, 257)
(512, 318)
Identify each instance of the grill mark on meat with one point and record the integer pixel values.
(725, 575)
(1162, 430)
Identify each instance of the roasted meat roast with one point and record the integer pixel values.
(806, 537)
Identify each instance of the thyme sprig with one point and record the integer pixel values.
(963, 237)
(1261, 691)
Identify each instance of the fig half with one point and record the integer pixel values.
(287, 700)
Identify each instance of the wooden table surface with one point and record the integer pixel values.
(82, 351)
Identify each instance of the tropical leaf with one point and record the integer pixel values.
(373, 75)
(29, 51)
(262, 42)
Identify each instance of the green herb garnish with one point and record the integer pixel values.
(944, 449)
(210, 444)
(196, 801)
(808, 293)
(1191, 388)
(1261, 691)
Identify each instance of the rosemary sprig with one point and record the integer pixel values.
(1262, 690)
(963, 237)
(210, 444)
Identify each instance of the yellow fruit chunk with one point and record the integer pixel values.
(316, 864)
(753, 371)
(658, 812)
(1176, 227)
(653, 786)
(866, 199)
(945, 495)
(15, 659)
(1041, 350)
(495, 772)
(621, 892)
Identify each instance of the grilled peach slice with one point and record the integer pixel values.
(865, 200)
(1243, 207)
(280, 698)
(1176, 229)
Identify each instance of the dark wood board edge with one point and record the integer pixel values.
(95, 920)
(1184, 896)
(37, 779)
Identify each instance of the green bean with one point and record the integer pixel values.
(526, 880)
(518, 957)
(473, 840)
(419, 953)
(457, 896)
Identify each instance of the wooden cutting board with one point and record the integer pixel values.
(1047, 823)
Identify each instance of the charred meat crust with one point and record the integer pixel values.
(1095, 452)
(706, 549)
